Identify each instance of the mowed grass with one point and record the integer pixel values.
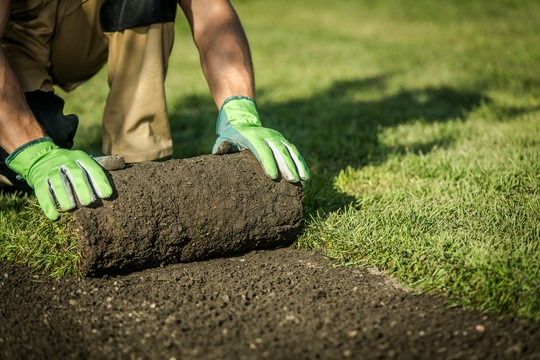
(420, 122)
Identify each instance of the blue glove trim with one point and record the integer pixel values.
(237, 97)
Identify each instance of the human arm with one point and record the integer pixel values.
(55, 174)
(17, 123)
(223, 47)
(227, 65)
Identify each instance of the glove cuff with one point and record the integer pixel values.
(22, 159)
(238, 97)
(237, 110)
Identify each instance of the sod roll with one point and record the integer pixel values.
(186, 210)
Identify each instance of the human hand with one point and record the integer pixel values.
(239, 128)
(55, 174)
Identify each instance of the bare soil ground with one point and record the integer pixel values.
(274, 304)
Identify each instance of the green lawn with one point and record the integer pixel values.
(420, 122)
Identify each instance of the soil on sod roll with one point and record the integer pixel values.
(185, 210)
(267, 304)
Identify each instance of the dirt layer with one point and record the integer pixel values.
(268, 304)
(186, 209)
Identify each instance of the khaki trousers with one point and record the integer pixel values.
(60, 42)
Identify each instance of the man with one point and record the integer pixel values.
(65, 42)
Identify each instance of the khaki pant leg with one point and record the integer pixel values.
(54, 42)
(79, 47)
(135, 122)
(26, 42)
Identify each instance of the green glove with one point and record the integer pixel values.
(55, 174)
(239, 128)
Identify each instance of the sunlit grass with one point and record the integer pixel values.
(29, 238)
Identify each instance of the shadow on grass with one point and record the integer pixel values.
(334, 128)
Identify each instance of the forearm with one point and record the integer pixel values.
(223, 48)
(17, 123)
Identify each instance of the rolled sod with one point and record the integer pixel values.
(186, 210)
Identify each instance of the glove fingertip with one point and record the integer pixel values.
(290, 176)
(53, 216)
(294, 179)
(272, 176)
(46, 201)
(105, 192)
(50, 212)
(271, 172)
(303, 172)
(87, 200)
